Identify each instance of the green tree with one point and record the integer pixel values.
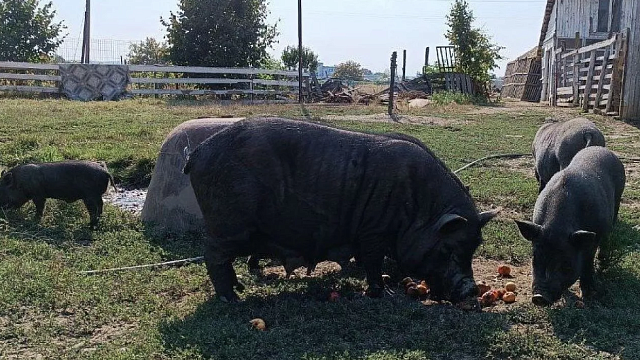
(27, 31)
(290, 58)
(349, 70)
(476, 55)
(226, 33)
(148, 52)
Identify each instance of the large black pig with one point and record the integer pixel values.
(313, 190)
(64, 180)
(574, 213)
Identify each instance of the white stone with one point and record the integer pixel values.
(170, 205)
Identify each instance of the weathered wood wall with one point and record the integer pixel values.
(631, 96)
(569, 17)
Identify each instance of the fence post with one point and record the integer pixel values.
(590, 73)
(392, 84)
(404, 65)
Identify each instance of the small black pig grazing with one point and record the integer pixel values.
(64, 180)
(573, 215)
(555, 144)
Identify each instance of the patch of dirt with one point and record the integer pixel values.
(403, 119)
(107, 333)
(523, 165)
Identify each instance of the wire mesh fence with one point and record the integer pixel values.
(102, 51)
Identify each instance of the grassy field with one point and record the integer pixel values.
(49, 310)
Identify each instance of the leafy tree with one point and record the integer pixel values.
(290, 58)
(227, 33)
(27, 31)
(475, 53)
(148, 52)
(349, 70)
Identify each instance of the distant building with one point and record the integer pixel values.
(325, 72)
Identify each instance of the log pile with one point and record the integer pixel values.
(335, 91)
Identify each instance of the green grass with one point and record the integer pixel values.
(47, 308)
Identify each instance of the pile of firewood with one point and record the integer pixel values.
(335, 91)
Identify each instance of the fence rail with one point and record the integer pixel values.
(591, 77)
(159, 80)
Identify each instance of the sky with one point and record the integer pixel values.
(366, 31)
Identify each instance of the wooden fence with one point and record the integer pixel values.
(591, 77)
(163, 80)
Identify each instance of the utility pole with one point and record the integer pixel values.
(86, 34)
(299, 51)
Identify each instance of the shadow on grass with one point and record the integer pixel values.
(611, 322)
(301, 323)
(54, 229)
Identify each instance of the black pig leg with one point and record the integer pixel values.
(94, 208)
(39, 203)
(372, 257)
(587, 281)
(219, 256)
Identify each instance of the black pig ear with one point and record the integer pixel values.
(485, 216)
(7, 178)
(581, 238)
(449, 223)
(529, 230)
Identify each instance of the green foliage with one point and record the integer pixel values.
(290, 58)
(450, 97)
(349, 70)
(219, 33)
(27, 31)
(148, 52)
(476, 55)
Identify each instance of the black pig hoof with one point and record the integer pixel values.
(374, 292)
(231, 299)
(539, 300)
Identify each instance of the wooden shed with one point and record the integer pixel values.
(522, 79)
(591, 55)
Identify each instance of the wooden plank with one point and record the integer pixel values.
(600, 80)
(30, 77)
(276, 82)
(24, 65)
(187, 81)
(591, 47)
(29, 88)
(204, 92)
(576, 81)
(587, 91)
(213, 70)
(565, 90)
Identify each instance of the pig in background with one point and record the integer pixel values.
(555, 144)
(572, 217)
(64, 180)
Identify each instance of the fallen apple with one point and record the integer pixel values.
(504, 270)
(483, 287)
(510, 286)
(413, 291)
(422, 289)
(509, 297)
(406, 280)
(488, 298)
(258, 324)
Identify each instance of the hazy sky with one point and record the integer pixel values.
(366, 31)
